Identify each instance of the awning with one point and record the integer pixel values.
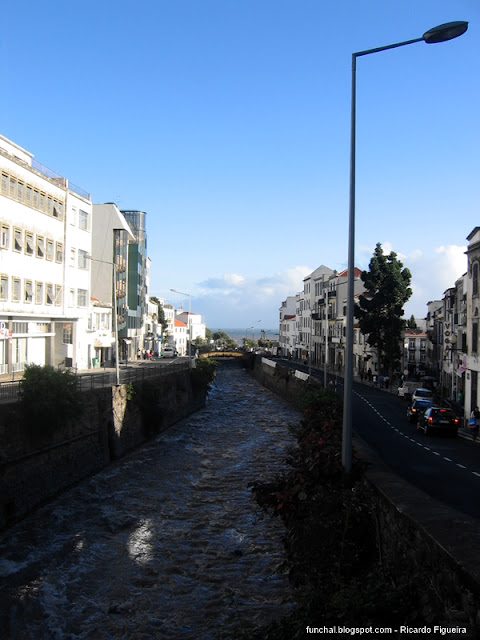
(127, 340)
(103, 342)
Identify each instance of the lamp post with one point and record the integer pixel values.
(189, 326)
(441, 33)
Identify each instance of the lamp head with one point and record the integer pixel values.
(444, 32)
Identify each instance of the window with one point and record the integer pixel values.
(28, 195)
(17, 240)
(20, 191)
(16, 289)
(39, 293)
(58, 252)
(4, 186)
(71, 298)
(83, 220)
(40, 247)
(67, 333)
(29, 244)
(49, 251)
(36, 199)
(4, 236)
(42, 201)
(49, 299)
(28, 292)
(3, 287)
(58, 295)
(58, 209)
(475, 279)
(82, 259)
(82, 297)
(13, 188)
(72, 257)
(73, 217)
(475, 337)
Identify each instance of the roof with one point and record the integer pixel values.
(356, 272)
(417, 333)
(179, 323)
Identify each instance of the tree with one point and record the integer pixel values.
(160, 314)
(412, 323)
(380, 308)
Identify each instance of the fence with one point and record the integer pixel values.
(9, 391)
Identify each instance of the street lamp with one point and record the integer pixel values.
(441, 33)
(189, 326)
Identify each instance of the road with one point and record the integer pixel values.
(448, 469)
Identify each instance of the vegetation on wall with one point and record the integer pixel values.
(49, 398)
(338, 566)
(203, 375)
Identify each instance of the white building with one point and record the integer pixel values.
(287, 335)
(194, 322)
(45, 238)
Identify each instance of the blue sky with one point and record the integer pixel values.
(228, 122)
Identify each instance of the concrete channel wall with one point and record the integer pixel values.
(34, 468)
(415, 532)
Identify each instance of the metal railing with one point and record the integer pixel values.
(10, 390)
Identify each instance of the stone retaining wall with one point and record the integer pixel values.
(33, 469)
(415, 533)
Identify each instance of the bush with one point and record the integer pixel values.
(203, 375)
(48, 398)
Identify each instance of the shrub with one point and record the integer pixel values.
(203, 375)
(48, 398)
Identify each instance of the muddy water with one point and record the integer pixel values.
(166, 543)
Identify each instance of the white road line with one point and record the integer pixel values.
(475, 473)
(447, 459)
(461, 466)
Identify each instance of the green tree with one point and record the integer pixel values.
(160, 314)
(412, 323)
(380, 308)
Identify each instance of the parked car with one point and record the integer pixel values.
(417, 407)
(407, 388)
(169, 352)
(422, 393)
(439, 419)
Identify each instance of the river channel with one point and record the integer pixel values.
(166, 543)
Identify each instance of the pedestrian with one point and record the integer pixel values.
(374, 381)
(474, 423)
(139, 353)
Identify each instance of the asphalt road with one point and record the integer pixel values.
(448, 469)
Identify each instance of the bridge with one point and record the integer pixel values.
(222, 354)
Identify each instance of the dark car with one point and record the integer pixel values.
(417, 407)
(438, 419)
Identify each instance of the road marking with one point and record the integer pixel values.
(405, 435)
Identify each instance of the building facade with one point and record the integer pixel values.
(45, 238)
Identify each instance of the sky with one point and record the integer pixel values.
(228, 122)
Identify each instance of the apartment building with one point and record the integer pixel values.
(45, 238)
(108, 267)
(287, 332)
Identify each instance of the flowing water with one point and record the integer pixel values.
(166, 543)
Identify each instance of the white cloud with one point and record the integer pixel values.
(233, 299)
(432, 274)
